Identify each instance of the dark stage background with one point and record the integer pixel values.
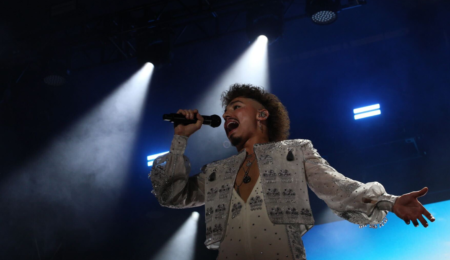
(395, 53)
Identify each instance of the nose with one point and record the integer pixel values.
(225, 116)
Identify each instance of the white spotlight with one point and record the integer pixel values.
(195, 215)
(263, 39)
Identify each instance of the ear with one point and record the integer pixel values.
(262, 115)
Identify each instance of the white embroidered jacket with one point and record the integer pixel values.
(285, 168)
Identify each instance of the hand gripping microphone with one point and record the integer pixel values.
(213, 121)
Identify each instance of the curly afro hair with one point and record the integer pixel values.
(278, 123)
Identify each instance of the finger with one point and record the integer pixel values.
(181, 111)
(421, 192)
(187, 114)
(199, 120)
(428, 215)
(423, 221)
(200, 117)
(407, 221)
(415, 222)
(191, 114)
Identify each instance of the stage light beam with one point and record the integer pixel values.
(83, 170)
(182, 244)
(252, 67)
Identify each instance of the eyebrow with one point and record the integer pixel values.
(233, 103)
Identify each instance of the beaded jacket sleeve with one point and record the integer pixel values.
(170, 178)
(352, 200)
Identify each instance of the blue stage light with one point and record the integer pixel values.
(151, 158)
(368, 114)
(372, 110)
(367, 108)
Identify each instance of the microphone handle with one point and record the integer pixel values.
(181, 119)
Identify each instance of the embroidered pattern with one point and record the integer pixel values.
(255, 203)
(292, 213)
(348, 187)
(285, 176)
(236, 209)
(306, 212)
(208, 214)
(273, 193)
(269, 177)
(295, 240)
(265, 159)
(212, 193)
(157, 170)
(220, 211)
(229, 174)
(276, 213)
(208, 231)
(217, 230)
(375, 226)
(289, 193)
(224, 191)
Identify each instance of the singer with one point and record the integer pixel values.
(256, 202)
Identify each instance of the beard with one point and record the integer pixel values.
(235, 140)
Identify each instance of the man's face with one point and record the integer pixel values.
(240, 119)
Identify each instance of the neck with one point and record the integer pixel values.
(248, 145)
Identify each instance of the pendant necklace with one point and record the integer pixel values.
(246, 178)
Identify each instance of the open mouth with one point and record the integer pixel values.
(231, 126)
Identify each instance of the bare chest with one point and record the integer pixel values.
(245, 189)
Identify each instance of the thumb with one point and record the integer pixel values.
(421, 192)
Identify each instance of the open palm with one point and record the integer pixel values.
(408, 208)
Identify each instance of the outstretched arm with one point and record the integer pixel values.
(359, 203)
(408, 208)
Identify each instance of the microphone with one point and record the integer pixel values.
(213, 121)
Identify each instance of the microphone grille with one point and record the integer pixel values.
(215, 121)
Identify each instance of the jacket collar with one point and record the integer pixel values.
(256, 145)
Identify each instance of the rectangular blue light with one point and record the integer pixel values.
(368, 114)
(151, 158)
(365, 109)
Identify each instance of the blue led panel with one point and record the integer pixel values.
(365, 109)
(368, 111)
(151, 158)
